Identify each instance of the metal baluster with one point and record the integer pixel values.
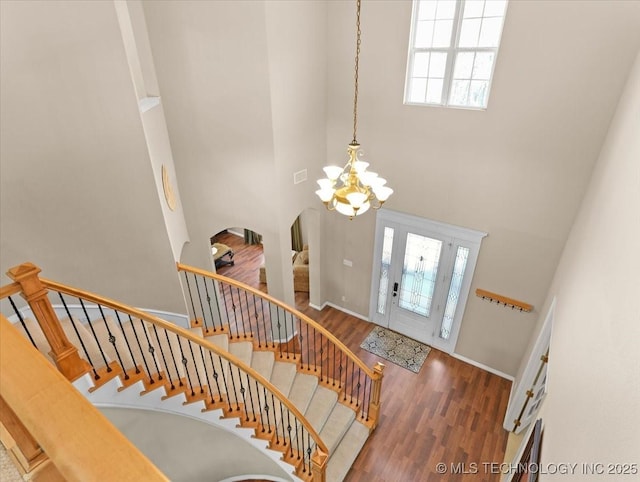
(233, 382)
(126, 340)
(151, 349)
(246, 302)
(295, 422)
(346, 381)
(84, 309)
(340, 372)
(185, 362)
(264, 321)
(206, 290)
(195, 367)
(286, 335)
(173, 358)
(253, 408)
(308, 348)
(17, 312)
(333, 373)
(215, 378)
(358, 387)
(367, 395)
(275, 423)
(215, 295)
(243, 392)
(206, 372)
(279, 330)
(266, 408)
(164, 359)
(289, 431)
(233, 307)
(353, 372)
(112, 340)
(300, 340)
(309, 450)
(284, 437)
(260, 408)
(75, 329)
(244, 328)
(193, 306)
(315, 351)
(293, 332)
(204, 318)
(255, 313)
(224, 380)
(321, 356)
(144, 360)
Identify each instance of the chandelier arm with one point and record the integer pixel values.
(355, 96)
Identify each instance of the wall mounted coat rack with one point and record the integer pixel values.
(503, 300)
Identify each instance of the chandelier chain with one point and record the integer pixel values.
(355, 96)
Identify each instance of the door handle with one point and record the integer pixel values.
(395, 289)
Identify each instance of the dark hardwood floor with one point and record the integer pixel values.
(450, 413)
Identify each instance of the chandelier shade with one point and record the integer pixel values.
(352, 190)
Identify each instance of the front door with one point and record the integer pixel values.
(422, 275)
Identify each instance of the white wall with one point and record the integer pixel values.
(592, 410)
(77, 192)
(243, 85)
(517, 170)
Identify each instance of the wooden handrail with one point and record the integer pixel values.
(79, 440)
(8, 290)
(374, 375)
(101, 300)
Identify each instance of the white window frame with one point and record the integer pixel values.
(451, 51)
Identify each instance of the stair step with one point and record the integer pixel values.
(221, 341)
(262, 362)
(336, 426)
(342, 459)
(320, 407)
(242, 350)
(282, 376)
(302, 390)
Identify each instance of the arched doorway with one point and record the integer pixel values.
(239, 254)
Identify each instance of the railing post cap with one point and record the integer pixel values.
(22, 271)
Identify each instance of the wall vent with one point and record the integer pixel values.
(299, 176)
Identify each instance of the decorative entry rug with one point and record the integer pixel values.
(396, 348)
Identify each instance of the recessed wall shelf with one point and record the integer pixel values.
(503, 300)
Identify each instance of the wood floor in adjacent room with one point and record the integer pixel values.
(450, 413)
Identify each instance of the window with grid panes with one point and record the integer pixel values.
(452, 52)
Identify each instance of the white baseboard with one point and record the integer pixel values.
(339, 308)
(316, 307)
(344, 310)
(482, 366)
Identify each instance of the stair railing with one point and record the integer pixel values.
(127, 342)
(53, 432)
(222, 305)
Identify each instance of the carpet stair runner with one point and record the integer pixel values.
(336, 423)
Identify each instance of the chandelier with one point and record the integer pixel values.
(352, 190)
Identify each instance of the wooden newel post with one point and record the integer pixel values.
(374, 408)
(319, 466)
(63, 352)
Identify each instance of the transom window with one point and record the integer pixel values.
(452, 52)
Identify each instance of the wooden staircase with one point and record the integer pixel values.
(314, 417)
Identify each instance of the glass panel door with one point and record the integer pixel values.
(422, 277)
(419, 273)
